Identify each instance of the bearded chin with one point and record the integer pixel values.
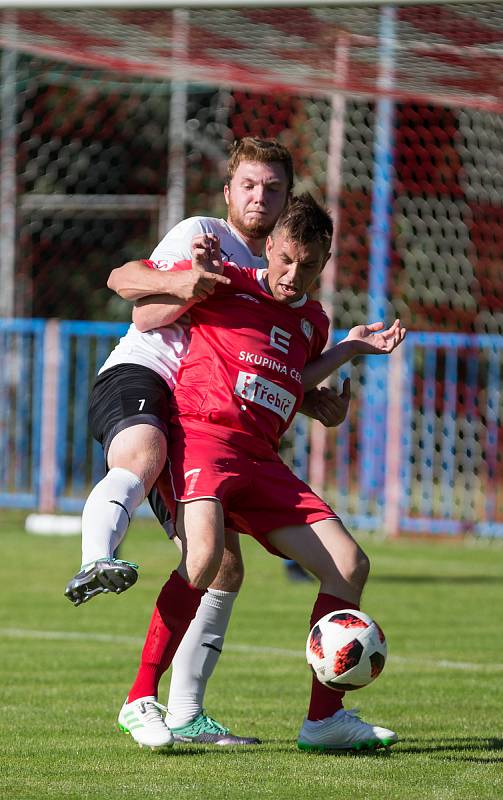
(255, 230)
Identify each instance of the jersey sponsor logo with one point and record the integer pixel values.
(280, 339)
(249, 297)
(267, 394)
(262, 361)
(307, 328)
(258, 360)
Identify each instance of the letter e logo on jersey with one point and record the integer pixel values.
(280, 339)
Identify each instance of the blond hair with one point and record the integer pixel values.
(265, 151)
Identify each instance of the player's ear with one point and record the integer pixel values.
(326, 259)
(268, 246)
(227, 192)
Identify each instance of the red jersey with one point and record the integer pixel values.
(247, 351)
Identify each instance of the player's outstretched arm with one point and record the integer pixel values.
(326, 405)
(361, 340)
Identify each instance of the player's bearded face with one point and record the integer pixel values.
(293, 268)
(256, 196)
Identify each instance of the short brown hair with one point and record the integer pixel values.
(266, 151)
(306, 221)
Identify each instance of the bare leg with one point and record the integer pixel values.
(328, 550)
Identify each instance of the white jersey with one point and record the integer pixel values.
(162, 349)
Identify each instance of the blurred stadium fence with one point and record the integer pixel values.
(435, 451)
(115, 124)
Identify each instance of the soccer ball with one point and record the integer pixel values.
(346, 650)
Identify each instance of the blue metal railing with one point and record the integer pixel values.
(21, 382)
(450, 476)
(84, 347)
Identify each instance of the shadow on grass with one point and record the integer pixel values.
(284, 746)
(457, 748)
(452, 749)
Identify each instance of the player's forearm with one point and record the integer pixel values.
(135, 280)
(158, 311)
(317, 371)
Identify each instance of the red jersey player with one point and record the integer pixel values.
(238, 390)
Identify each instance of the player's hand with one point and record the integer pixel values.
(372, 339)
(190, 284)
(199, 282)
(326, 405)
(205, 249)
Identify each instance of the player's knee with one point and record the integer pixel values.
(230, 574)
(353, 568)
(202, 570)
(360, 569)
(203, 562)
(141, 449)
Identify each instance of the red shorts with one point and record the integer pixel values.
(258, 492)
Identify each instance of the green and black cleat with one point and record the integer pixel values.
(101, 576)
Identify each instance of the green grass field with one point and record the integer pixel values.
(65, 672)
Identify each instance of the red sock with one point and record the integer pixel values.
(325, 701)
(176, 606)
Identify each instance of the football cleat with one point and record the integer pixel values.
(104, 575)
(205, 730)
(343, 731)
(143, 719)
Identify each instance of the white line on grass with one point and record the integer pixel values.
(24, 633)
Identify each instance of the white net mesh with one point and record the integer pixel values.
(116, 123)
(95, 130)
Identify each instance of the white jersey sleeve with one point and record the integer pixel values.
(175, 246)
(177, 243)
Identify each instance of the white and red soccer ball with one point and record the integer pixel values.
(346, 650)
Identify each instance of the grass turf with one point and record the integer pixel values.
(65, 672)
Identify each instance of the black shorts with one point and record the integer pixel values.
(124, 396)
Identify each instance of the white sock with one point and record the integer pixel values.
(197, 656)
(107, 513)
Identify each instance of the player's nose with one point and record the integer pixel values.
(293, 272)
(259, 193)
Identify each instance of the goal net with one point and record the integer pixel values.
(116, 124)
